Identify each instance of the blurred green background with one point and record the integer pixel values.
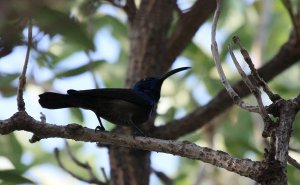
(83, 44)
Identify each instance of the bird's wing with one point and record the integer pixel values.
(128, 95)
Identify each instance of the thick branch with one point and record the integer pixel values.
(148, 35)
(288, 111)
(245, 167)
(188, 23)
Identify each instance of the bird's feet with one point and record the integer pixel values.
(99, 128)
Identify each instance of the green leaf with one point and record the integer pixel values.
(116, 24)
(202, 66)
(7, 79)
(293, 175)
(238, 131)
(81, 69)
(77, 115)
(12, 177)
(9, 91)
(55, 22)
(11, 148)
(112, 74)
(46, 58)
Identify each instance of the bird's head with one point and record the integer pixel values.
(152, 86)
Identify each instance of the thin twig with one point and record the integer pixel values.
(214, 47)
(293, 162)
(56, 152)
(83, 165)
(254, 90)
(61, 165)
(256, 76)
(289, 7)
(104, 174)
(22, 79)
(74, 159)
(163, 177)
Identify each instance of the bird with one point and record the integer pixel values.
(120, 106)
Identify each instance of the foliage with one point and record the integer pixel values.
(68, 47)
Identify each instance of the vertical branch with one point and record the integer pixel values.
(256, 76)
(253, 87)
(288, 110)
(216, 56)
(22, 79)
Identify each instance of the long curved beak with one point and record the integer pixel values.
(167, 74)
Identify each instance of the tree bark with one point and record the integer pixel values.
(148, 28)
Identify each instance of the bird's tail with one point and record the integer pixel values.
(51, 100)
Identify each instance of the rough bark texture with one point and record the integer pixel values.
(257, 170)
(148, 34)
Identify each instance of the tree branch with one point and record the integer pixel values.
(289, 7)
(253, 86)
(288, 54)
(93, 179)
(216, 56)
(163, 177)
(22, 121)
(293, 162)
(287, 110)
(188, 23)
(22, 79)
(254, 90)
(257, 78)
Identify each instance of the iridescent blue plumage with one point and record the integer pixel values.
(125, 107)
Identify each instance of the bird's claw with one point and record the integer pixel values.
(99, 128)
